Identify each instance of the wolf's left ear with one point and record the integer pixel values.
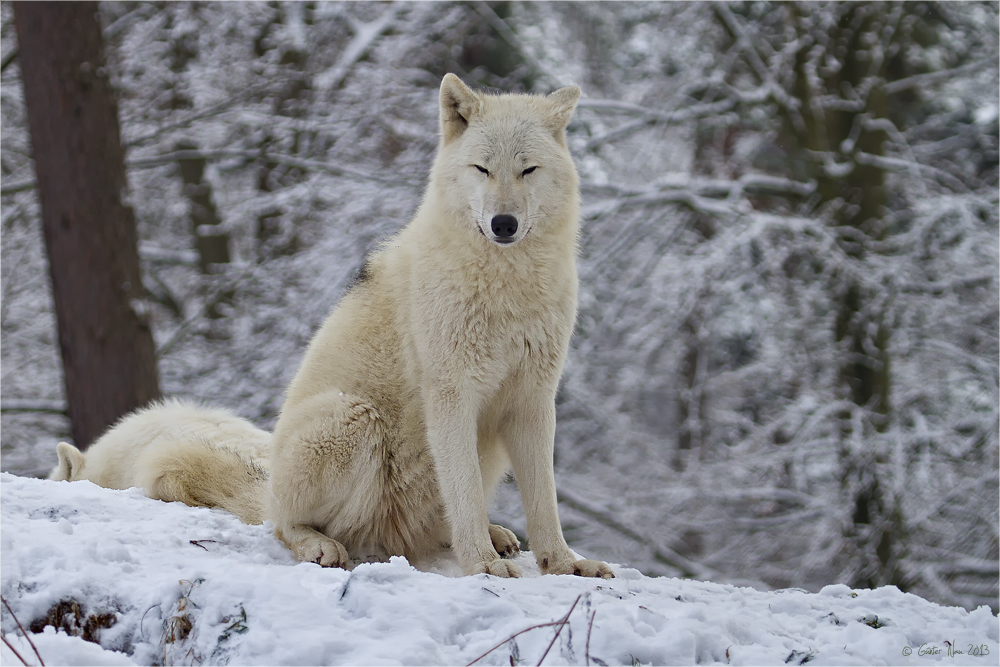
(561, 105)
(70, 462)
(459, 105)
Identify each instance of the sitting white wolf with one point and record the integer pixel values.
(439, 368)
(435, 374)
(178, 451)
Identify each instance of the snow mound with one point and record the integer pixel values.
(175, 584)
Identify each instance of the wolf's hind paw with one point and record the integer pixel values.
(504, 541)
(324, 552)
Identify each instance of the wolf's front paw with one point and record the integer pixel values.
(504, 541)
(500, 568)
(581, 568)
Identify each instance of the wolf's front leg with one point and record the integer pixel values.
(452, 439)
(530, 437)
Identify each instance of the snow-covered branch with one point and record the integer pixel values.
(929, 78)
(661, 553)
(365, 35)
(515, 42)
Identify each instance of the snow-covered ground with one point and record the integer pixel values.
(195, 586)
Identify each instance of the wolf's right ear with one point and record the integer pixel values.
(459, 104)
(561, 106)
(70, 462)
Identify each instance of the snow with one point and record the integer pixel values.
(678, 382)
(163, 567)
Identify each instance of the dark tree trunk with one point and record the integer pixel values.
(857, 200)
(210, 237)
(90, 235)
(830, 136)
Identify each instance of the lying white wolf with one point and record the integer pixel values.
(439, 368)
(176, 451)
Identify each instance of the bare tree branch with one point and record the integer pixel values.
(33, 405)
(936, 77)
(365, 35)
(681, 115)
(223, 153)
(511, 38)
(8, 59)
(652, 117)
(289, 160)
(662, 553)
(18, 186)
(779, 94)
(697, 193)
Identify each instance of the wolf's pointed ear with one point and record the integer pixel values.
(70, 462)
(459, 104)
(561, 106)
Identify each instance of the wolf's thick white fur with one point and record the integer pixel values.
(177, 451)
(438, 370)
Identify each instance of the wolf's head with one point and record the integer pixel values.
(503, 163)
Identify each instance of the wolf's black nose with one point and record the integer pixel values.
(504, 226)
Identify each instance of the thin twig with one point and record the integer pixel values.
(533, 627)
(565, 619)
(198, 543)
(589, 628)
(23, 632)
(14, 650)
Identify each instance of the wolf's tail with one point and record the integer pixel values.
(201, 474)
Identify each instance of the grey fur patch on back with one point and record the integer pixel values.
(363, 275)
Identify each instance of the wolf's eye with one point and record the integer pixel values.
(482, 169)
(528, 171)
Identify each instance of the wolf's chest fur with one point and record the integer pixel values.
(497, 317)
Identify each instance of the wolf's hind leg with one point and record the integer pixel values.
(324, 474)
(311, 546)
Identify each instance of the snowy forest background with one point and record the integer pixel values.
(785, 370)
